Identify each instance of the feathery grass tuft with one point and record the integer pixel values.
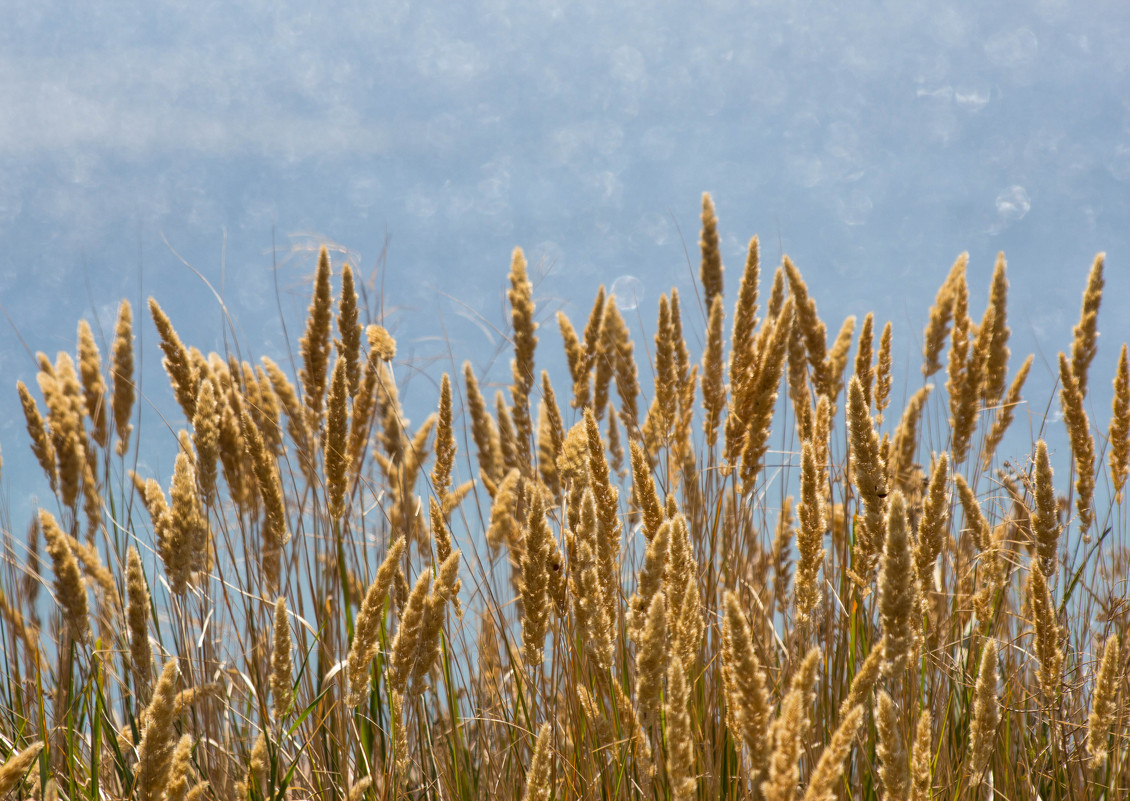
(596, 607)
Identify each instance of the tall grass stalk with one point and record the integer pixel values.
(611, 598)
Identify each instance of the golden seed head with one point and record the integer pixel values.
(282, 692)
(336, 450)
(94, 385)
(1103, 707)
(381, 342)
(1085, 344)
(315, 343)
(710, 272)
(70, 588)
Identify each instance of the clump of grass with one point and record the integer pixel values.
(585, 604)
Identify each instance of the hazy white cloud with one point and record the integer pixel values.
(137, 103)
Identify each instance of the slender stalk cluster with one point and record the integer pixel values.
(581, 603)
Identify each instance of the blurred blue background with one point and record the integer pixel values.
(871, 141)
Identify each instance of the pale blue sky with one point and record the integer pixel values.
(873, 142)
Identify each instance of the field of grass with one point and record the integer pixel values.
(594, 585)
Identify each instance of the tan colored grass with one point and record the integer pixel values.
(1045, 521)
(236, 458)
(158, 739)
(663, 413)
(644, 491)
(883, 374)
(349, 329)
(799, 394)
(655, 680)
(359, 788)
(745, 313)
(894, 768)
(121, 375)
(838, 358)
(931, 529)
(483, 430)
(898, 593)
(187, 536)
(921, 769)
(780, 556)
(650, 582)
(963, 393)
(206, 439)
(435, 616)
(684, 603)
(756, 405)
(687, 382)
(815, 334)
(94, 385)
(198, 792)
(1085, 344)
(864, 357)
(594, 626)
(788, 733)
(590, 353)
(381, 342)
(610, 528)
(996, 366)
(520, 296)
(282, 666)
(41, 444)
(575, 357)
(296, 422)
(535, 582)
(651, 658)
(406, 644)
(680, 735)
(941, 318)
(314, 346)
(177, 361)
(747, 695)
(368, 625)
(986, 716)
(70, 588)
(63, 397)
(1005, 412)
(1082, 443)
(503, 528)
(507, 438)
(1119, 432)
(710, 270)
(189, 696)
(1103, 704)
(777, 292)
(864, 679)
(1046, 626)
(96, 571)
(177, 787)
(258, 767)
(616, 346)
(975, 520)
(821, 433)
(810, 538)
(13, 770)
(22, 628)
(830, 769)
(539, 779)
(966, 391)
(550, 434)
(275, 533)
(870, 479)
(335, 440)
